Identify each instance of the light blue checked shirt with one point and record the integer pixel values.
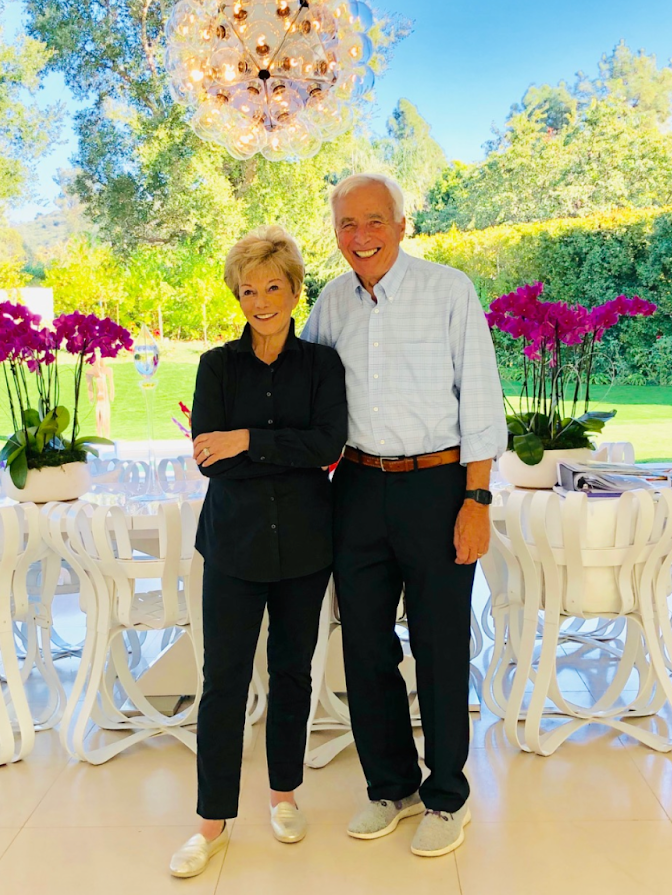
(420, 366)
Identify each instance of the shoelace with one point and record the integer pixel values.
(444, 815)
(397, 805)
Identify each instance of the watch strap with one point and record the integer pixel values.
(480, 495)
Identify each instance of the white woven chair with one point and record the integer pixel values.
(98, 543)
(563, 563)
(20, 547)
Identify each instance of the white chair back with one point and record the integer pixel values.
(615, 452)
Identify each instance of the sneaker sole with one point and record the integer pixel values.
(445, 851)
(392, 826)
(191, 873)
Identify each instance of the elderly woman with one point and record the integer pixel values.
(269, 414)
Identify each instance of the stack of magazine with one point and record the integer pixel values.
(598, 479)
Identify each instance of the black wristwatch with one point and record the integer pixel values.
(480, 495)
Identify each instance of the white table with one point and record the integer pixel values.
(555, 560)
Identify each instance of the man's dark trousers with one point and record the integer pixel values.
(394, 529)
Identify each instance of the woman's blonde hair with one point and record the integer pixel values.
(268, 245)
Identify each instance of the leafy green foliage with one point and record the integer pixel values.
(568, 152)
(26, 131)
(580, 260)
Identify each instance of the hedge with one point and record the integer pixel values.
(587, 260)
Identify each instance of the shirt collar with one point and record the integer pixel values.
(245, 340)
(389, 285)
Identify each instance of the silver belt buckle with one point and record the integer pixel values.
(383, 459)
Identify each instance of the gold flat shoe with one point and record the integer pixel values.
(192, 858)
(288, 823)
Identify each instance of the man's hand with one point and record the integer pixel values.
(213, 446)
(472, 532)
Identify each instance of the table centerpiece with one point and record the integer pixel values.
(43, 461)
(559, 344)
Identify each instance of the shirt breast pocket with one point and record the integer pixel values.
(419, 368)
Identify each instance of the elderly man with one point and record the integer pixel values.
(411, 504)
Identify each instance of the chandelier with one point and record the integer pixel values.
(277, 77)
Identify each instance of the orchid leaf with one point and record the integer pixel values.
(12, 457)
(91, 439)
(62, 417)
(603, 415)
(31, 417)
(9, 448)
(515, 426)
(529, 448)
(18, 470)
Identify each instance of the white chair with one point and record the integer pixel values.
(191, 468)
(615, 452)
(98, 543)
(568, 559)
(335, 714)
(20, 546)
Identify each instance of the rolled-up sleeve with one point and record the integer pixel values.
(483, 433)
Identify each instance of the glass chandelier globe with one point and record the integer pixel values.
(276, 77)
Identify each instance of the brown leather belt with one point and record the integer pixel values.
(403, 464)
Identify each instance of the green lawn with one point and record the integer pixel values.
(644, 414)
(176, 376)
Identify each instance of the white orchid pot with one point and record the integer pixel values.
(543, 474)
(66, 482)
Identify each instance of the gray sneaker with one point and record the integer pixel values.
(380, 818)
(440, 832)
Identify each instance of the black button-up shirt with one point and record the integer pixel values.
(267, 513)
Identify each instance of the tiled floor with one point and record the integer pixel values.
(593, 818)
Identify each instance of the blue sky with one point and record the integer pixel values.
(464, 64)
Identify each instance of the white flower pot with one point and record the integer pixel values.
(545, 473)
(65, 482)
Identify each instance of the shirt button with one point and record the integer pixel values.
(274, 527)
(375, 409)
(375, 344)
(263, 458)
(270, 422)
(377, 311)
(391, 298)
(383, 441)
(268, 394)
(375, 376)
(272, 498)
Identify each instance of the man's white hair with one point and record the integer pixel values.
(355, 181)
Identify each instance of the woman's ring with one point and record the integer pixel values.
(206, 452)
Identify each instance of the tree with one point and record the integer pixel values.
(556, 104)
(412, 154)
(603, 144)
(26, 131)
(636, 79)
(145, 178)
